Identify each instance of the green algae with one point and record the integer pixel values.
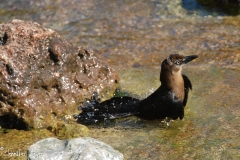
(17, 141)
(69, 131)
(14, 143)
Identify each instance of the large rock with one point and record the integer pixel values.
(43, 77)
(79, 149)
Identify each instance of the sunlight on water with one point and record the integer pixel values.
(135, 37)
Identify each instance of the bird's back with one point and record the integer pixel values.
(161, 104)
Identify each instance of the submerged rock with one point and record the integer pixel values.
(43, 77)
(79, 148)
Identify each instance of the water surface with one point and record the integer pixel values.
(134, 37)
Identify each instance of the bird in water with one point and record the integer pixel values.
(166, 103)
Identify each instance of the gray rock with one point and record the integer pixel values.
(74, 149)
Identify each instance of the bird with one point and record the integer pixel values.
(167, 103)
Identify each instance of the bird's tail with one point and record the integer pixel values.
(94, 111)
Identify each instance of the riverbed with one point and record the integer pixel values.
(135, 37)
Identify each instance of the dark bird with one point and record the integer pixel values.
(166, 103)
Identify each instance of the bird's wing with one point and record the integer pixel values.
(187, 86)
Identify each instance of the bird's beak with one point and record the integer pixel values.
(189, 58)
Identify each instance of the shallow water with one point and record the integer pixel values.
(134, 37)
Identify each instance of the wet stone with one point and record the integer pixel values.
(79, 148)
(43, 77)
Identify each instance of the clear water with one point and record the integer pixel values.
(134, 37)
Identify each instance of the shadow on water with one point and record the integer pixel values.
(130, 123)
(13, 122)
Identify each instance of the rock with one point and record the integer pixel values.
(230, 7)
(79, 148)
(44, 78)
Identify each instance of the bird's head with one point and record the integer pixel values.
(176, 61)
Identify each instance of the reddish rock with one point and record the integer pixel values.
(43, 77)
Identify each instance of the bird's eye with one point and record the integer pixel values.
(177, 62)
